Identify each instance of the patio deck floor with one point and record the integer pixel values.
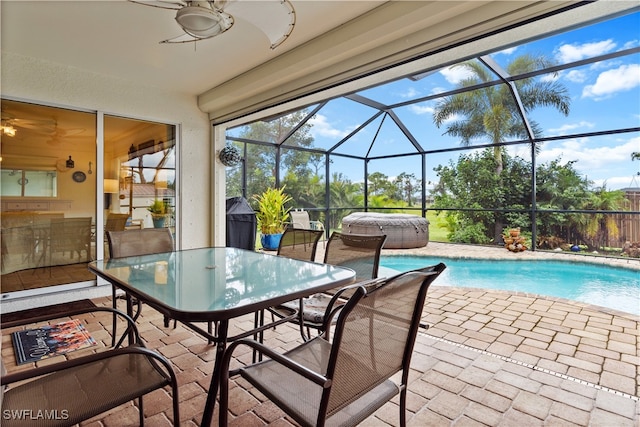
(491, 358)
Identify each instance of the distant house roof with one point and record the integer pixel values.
(148, 190)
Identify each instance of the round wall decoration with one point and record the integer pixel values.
(79, 176)
(230, 155)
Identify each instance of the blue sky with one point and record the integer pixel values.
(604, 96)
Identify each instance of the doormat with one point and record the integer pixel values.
(51, 311)
(47, 341)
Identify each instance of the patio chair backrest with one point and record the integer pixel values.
(116, 222)
(299, 244)
(300, 219)
(375, 334)
(72, 235)
(139, 242)
(356, 251)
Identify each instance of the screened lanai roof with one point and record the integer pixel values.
(389, 126)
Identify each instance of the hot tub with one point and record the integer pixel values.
(403, 231)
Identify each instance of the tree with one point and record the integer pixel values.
(559, 187)
(469, 188)
(492, 113)
(303, 183)
(379, 184)
(344, 194)
(406, 186)
(600, 227)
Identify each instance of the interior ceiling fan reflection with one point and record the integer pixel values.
(10, 124)
(60, 135)
(201, 20)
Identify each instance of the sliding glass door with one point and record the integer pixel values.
(139, 174)
(66, 176)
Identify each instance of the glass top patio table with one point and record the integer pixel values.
(217, 284)
(213, 284)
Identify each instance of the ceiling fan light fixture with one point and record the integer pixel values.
(8, 130)
(203, 22)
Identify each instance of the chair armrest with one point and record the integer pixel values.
(330, 312)
(275, 356)
(91, 358)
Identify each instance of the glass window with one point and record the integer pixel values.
(139, 174)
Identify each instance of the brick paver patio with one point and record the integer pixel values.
(492, 358)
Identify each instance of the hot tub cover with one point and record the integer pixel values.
(403, 230)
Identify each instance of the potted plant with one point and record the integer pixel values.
(271, 215)
(159, 210)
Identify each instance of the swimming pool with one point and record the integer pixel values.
(613, 287)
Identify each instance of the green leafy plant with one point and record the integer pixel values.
(158, 208)
(272, 212)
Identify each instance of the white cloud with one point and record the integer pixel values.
(320, 127)
(421, 109)
(453, 118)
(455, 75)
(564, 129)
(576, 76)
(604, 65)
(614, 182)
(508, 51)
(552, 77)
(593, 160)
(410, 93)
(575, 52)
(438, 89)
(623, 78)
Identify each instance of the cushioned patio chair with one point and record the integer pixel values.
(300, 219)
(344, 380)
(84, 386)
(356, 251)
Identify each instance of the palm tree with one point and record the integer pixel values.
(343, 193)
(599, 228)
(492, 112)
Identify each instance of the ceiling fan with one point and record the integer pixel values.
(9, 124)
(58, 135)
(201, 20)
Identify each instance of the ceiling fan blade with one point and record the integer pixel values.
(70, 132)
(275, 19)
(39, 125)
(184, 38)
(166, 4)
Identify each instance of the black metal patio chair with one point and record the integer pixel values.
(356, 251)
(82, 387)
(343, 380)
(299, 243)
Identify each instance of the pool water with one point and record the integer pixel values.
(612, 287)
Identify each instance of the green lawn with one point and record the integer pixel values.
(436, 232)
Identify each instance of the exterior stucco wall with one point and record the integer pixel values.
(34, 80)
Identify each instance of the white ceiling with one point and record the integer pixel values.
(236, 72)
(121, 38)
